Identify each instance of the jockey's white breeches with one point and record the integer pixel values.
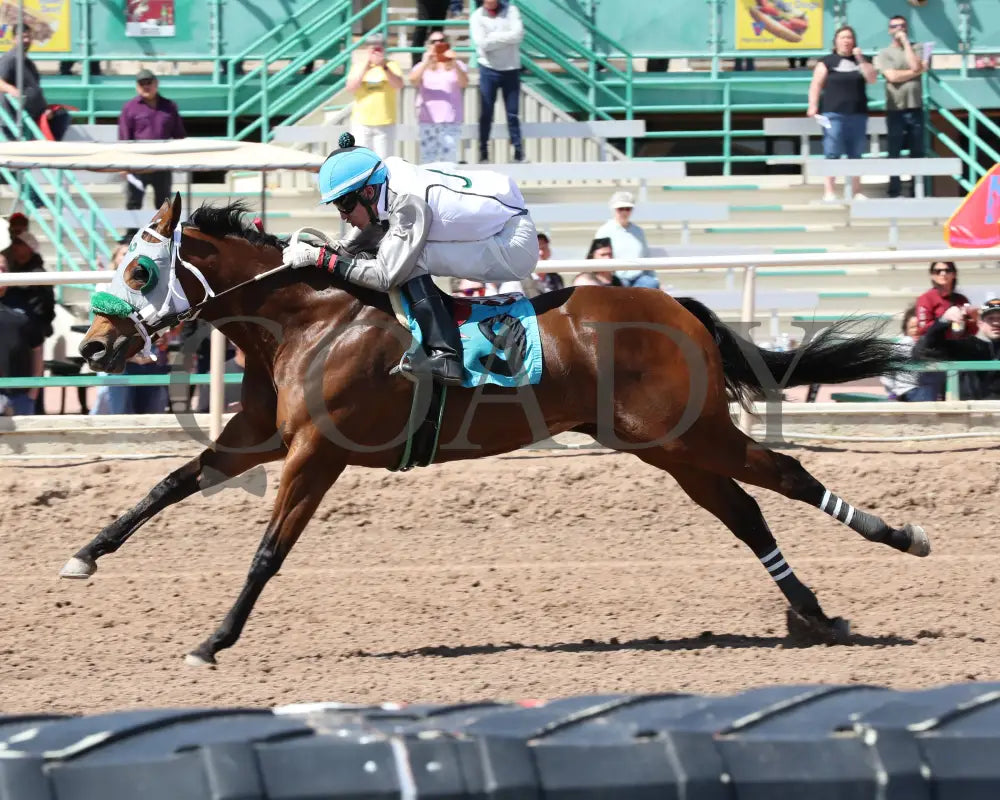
(508, 255)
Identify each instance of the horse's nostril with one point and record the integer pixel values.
(93, 350)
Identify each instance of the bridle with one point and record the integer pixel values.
(151, 322)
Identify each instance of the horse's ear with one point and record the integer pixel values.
(175, 211)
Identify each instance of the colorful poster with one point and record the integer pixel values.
(779, 24)
(48, 19)
(149, 18)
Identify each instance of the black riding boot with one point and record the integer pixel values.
(440, 334)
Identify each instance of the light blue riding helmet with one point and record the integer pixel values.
(349, 169)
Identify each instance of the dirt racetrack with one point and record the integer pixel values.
(517, 577)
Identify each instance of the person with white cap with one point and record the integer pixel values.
(627, 241)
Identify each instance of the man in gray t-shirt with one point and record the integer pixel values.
(902, 68)
(31, 89)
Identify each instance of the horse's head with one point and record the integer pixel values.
(143, 294)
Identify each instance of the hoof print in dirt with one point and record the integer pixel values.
(804, 631)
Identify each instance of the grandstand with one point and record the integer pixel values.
(735, 139)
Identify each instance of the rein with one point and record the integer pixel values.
(151, 324)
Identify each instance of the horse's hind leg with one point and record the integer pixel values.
(785, 475)
(738, 511)
(208, 469)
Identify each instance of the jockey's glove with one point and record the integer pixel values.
(301, 254)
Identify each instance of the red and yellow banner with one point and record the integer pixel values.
(49, 21)
(977, 221)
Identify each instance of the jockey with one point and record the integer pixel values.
(412, 222)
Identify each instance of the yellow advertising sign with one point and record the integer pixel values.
(779, 24)
(49, 21)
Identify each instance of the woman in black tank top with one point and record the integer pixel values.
(837, 92)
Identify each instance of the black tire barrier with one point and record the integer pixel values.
(778, 742)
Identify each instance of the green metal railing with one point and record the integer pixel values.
(62, 199)
(952, 369)
(971, 128)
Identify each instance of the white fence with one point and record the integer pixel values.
(749, 265)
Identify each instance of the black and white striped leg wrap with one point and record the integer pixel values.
(775, 563)
(868, 525)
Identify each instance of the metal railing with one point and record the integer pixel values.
(65, 200)
(971, 128)
(749, 264)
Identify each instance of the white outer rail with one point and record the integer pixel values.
(749, 263)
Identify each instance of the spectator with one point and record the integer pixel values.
(902, 68)
(547, 281)
(12, 323)
(470, 288)
(33, 100)
(440, 79)
(940, 297)
(37, 304)
(931, 305)
(17, 223)
(798, 63)
(112, 399)
(984, 346)
(600, 248)
(375, 81)
(628, 241)
(496, 30)
(233, 395)
(149, 116)
(838, 91)
(428, 9)
(540, 282)
(903, 386)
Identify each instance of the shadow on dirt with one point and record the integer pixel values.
(704, 641)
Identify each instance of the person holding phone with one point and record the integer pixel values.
(441, 80)
(904, 103)
(375, 81)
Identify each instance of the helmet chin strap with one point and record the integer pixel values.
(370, 207)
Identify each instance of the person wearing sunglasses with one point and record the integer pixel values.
(931, 306)
(440, 79)
(412, 222)
(904, 118)
(940, 297)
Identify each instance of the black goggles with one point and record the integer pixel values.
(347, 203)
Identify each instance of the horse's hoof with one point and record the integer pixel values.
(810, 630)
(920, 543)
(78, 568)
(198, 660)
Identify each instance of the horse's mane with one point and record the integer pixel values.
(222, 221)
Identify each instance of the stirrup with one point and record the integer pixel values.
(405, 368)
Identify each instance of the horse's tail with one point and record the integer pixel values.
(839, 354)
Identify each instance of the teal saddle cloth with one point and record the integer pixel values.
(500, 340)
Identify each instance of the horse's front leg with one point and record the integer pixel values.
(208, 469)
(309, 471)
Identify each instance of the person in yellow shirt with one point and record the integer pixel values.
(375, 81)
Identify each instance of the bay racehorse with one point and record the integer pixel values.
(638, 370)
